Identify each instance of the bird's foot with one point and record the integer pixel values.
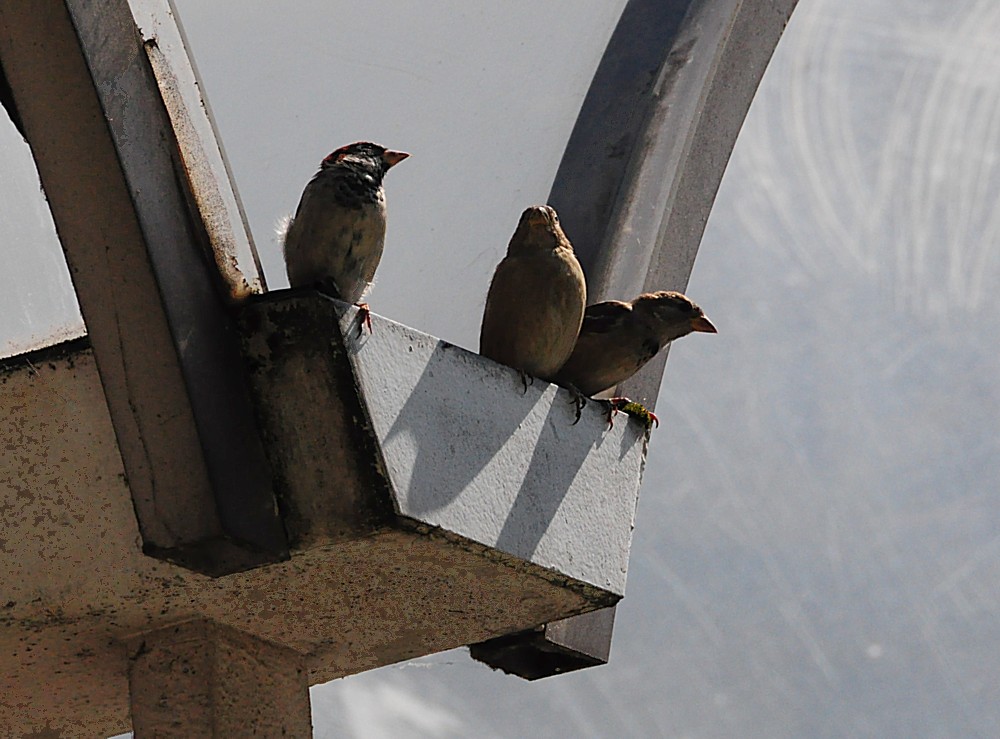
(579, 401)
(636, 410)
(364, 318)
(526, 380)
(611, 411)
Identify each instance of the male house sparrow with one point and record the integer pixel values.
(535, 304)
(336, 237)
(618, 338)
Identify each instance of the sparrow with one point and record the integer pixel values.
(618, 338)
(335, 239)
(536, 299)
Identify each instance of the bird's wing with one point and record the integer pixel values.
(602, 318)
(650, 348)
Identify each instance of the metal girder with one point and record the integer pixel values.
(119, 184)
(635, 188)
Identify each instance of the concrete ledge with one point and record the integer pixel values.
(460, 444)
(499, 536)
(467, 449)
(468, 452)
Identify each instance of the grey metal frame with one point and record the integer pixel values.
(634, 191)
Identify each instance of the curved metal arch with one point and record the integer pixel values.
(634, 191)
(649, 148)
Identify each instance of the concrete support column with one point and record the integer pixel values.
(199, 679)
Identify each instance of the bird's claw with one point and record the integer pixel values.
(364, 318)
(579, 400)
(612, 412)
(635, 410)
(526, 380)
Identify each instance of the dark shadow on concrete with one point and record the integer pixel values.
(479, 434)
(550, 475)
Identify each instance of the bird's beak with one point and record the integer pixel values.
(394, 157)
(703, 324)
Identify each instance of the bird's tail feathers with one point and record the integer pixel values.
(281, 227)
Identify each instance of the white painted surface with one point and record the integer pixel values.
(468, 450)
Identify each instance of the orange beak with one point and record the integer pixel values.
(393, 158)
(703, 324)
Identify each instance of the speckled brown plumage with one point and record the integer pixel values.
(336, 237)
(617, 339)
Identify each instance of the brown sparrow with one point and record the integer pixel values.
(617, 338)
(535, 304)
(336, 237)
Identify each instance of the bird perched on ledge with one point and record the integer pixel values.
(618, 338)
(335, 239)
(536, 299)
